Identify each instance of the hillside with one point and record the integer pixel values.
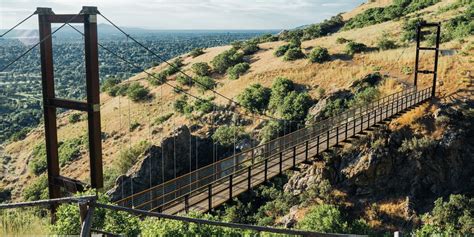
(126, 123)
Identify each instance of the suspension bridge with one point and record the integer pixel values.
(207, 187)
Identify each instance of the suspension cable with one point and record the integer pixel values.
(41, 41)
(179, 69)
(180, 90)
(19, 23)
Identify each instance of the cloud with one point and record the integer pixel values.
(191, 14)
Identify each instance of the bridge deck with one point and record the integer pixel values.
(213, 185)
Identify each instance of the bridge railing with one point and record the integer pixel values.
(156, 197)
(247, 177)
(294, 155)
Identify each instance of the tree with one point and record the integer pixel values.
(324, 218)
(295, 106)
(196, 52)
(226, 59)
(270, 131)
(136, 92)
(236, 71)
(319, 55)
(205, 83)
(228, 135)
(254, 98)
(185, 80)
(250, 47)
(74, 118)
(384, 43)
(449, 218)
(280, 88)
(354, 47)
(293, 53)
(201, 69)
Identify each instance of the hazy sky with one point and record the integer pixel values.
(188, 14)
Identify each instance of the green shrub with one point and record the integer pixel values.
(238, 70)
(324, 218)
(185, 80)
(204, 106)
(37, 189)
(205, 83)
(157, 79)
(451, 218)
(74, 118)
(384, 43)
(342, 40)
(409, 29)
(226, 59)
(270, 131)
(382, 14)
(228, 135)
(281, 50)
(127, 157)
(121, 89)
(324, 28)
(237, 44)
(334, 107)
(319, 55)
(281, 87)
(293, 54)
(167, 227)
(178, 89)
(38, 163)
(295, 106)
(354, 47)
(70, 150)
(134, 126)
(20, 135)
(174, 68)
(136, 92)
(196, 52)
(250, 47)
(254, 98)
(162, 119)
(109, 83)
(201, 69)
(416, 146)
(364, 97)
(181, 105)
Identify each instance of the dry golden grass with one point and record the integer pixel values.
(118, 112)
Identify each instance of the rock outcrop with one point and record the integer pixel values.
(177, 154)
(401, 164)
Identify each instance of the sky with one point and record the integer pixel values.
(187, 14)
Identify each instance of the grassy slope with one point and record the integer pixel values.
(338, 73)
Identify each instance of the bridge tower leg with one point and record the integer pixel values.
(87, 17)
(419, 38)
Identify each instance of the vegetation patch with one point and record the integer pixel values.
(136, 92)
(162, 119)
(196, 52)
(127, 157)
(185, 80)
(319, 55)
(205, 83)
(354, 47)
(201, 69)
(238, 70)
(226, 59)
(398, 9)
(254, 98)
(229, 135)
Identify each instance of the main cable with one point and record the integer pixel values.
(41, 41)
(179, 69)
(178, 89)
(19, 23)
